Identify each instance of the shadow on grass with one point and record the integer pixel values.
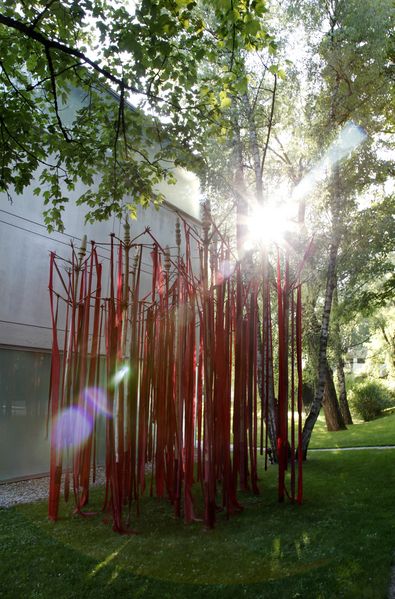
(339, 543)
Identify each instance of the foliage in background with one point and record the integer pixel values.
(367, 258)
(369, 398)
(344, 73)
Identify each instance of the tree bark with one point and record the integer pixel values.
(240, 190)
(332, 263)
(332, 411)
(333, 416)
(344, 407)
(254, 148)
(323, 344)
(307, 396)
(341, 379)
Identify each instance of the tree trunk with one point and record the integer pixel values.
(254, 148)
(307, 396)
(323, 343)
(333, 416)
(265, 358)
(341, 379)
(240, 191)
(343, 401)
(330, 280)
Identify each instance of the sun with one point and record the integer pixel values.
(267, 224)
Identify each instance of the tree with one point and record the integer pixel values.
(348, 80)
(151, 56)
(186, 68)
(382, 343)
(366, 264)
(339, 352)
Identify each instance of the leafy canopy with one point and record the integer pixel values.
(61, 62)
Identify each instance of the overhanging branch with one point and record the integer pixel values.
(53, 44)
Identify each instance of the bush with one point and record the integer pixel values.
(354, 379)
(369, 398)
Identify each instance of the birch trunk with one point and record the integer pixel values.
(254, 149)
(240, 190)
(323, 344)
(332, 263)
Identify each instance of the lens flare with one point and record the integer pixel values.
(349, 138)
(96, 399)
(225, 270)
(72, 428)
(121, 374)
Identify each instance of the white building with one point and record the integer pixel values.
(25, 327)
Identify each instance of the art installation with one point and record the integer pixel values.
(188, 368)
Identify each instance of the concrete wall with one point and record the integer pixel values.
(25, 326)
(25, 245)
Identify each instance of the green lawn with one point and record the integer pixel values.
(339, 543)
(375, 432)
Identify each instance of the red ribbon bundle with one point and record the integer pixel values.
(185, 364)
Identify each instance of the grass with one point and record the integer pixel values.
(339, 543)
(375, 432)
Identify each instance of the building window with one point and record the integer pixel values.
(24, 389)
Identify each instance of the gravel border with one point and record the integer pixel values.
(36, 489)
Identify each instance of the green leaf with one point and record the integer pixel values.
(132, 210)
(225, 100)
(31, 62)
(252, 27)
(281, 74)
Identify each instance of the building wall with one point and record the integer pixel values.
(25, 328)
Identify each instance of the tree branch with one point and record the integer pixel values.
(357, 344)
(382, 328)
(117, 132)
(257, 91)
(232, 58)
(47, 43)
(17, 91)
(269, 129)
(30, 88)
(28, 152)
(55, 95)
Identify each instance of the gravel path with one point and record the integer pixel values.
(36, 489)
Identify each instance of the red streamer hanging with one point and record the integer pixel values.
(181, 377)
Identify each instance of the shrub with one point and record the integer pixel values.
(369, 398)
